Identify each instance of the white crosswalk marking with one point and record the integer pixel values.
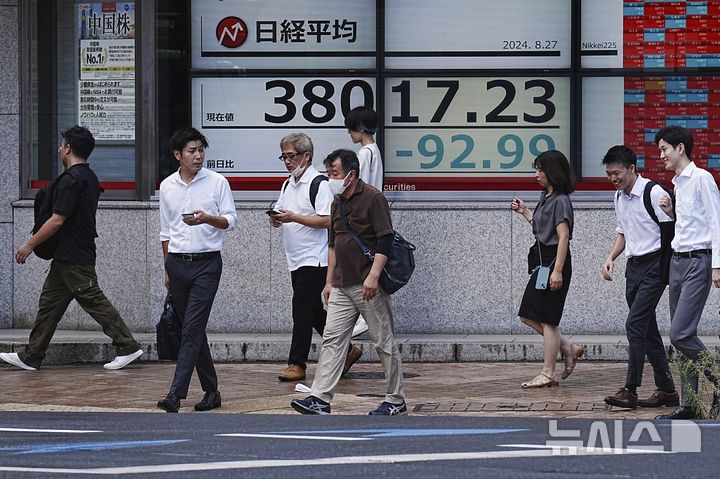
(329, 461)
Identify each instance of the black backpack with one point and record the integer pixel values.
(314, 187)
(667, 229)
(43, 206)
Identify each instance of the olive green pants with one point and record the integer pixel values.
(64, 283)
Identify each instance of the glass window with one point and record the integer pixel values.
(82, 71)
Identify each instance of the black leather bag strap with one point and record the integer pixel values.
(361, 244)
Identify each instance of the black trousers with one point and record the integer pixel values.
(308, 313)
(643, 290)
(193, 285)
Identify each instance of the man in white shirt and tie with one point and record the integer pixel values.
(696, 254)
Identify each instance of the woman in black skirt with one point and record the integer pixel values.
(544, 299)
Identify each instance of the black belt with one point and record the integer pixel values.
(195, 256)
(645, 257)
(691, 254)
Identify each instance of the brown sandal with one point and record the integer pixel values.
(540, 381)
(571, 361)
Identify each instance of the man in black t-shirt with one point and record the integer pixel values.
(72, 272)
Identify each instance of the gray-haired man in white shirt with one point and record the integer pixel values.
(196, 209)
(303, 213)
(696, 257)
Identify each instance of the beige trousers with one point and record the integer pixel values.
(344, 307)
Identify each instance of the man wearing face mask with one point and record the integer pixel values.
(352, 287)
(303, 212)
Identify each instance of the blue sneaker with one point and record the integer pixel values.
(311, 405)
(389, 409)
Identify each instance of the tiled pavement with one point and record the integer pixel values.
(468, 388)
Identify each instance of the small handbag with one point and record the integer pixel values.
(542, 280)
(401, 259)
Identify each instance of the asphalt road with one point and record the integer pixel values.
(216, 445)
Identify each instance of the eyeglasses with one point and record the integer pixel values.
(289, 156)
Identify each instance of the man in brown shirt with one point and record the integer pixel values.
(352, 287)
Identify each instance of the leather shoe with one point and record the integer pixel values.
(659, 399)
(211, 400)
(682, 412)
(294, 372)
(171, 403)
(623, 398)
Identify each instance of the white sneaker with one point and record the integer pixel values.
(360, 327)
(14, 359)
(121, 361)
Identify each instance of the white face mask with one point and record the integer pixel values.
(299, 170)
(337, 186)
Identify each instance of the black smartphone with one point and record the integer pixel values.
(187, 216)
(272, 212)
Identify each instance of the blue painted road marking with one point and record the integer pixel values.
(86, 446)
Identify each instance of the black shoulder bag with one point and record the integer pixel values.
(400, 263)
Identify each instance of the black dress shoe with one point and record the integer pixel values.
(682, 412)
(171, 403)
(211, 400)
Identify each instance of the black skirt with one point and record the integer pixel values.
(543, 305)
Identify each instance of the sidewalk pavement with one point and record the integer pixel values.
(470, 375)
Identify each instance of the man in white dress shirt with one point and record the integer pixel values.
(639, 235)
(696, 253)
(196, 209)
(303, 213)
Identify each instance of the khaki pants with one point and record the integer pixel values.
(344, 307)
(64, 283)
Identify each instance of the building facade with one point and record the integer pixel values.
(468, 93)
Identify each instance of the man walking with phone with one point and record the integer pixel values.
(303, 213)
(196, 209)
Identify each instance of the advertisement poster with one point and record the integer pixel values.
(106, 88)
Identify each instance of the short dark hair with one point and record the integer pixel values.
(185, 135)
(675, 135)
(620, 154)
(363, 119)
(557, 170)
(348, 160)
(80, 140)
